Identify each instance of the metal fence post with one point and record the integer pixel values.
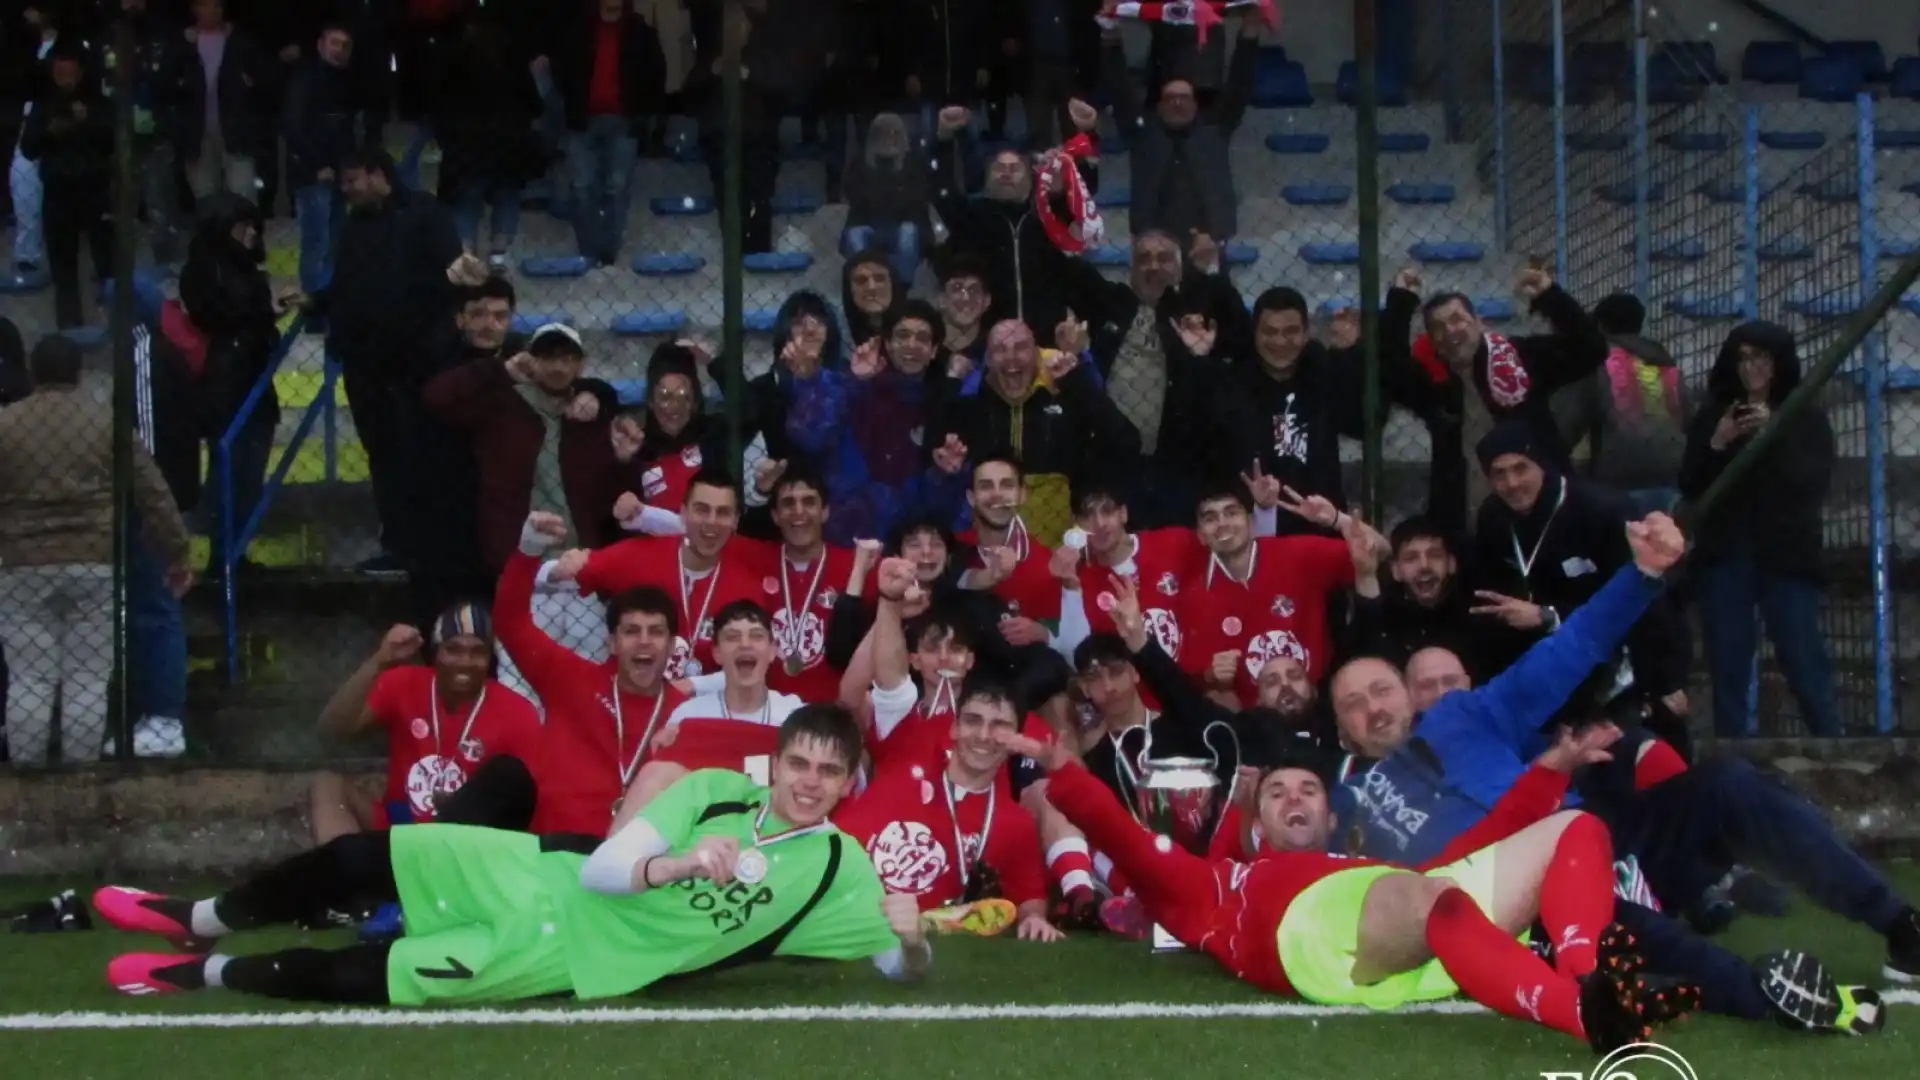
(1560, 143)
(1642, 161)
(1873, 358)
(1750, 171)
(1366, 42)
(733, 243)
(1501, 210)
(126, 230)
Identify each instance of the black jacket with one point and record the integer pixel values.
(1071, 429)
(1774, 514)
(944, 44)
(246, 124)
(389, 306)
(643, 70)
(1182, 177)
(317, 119)
(71, 137)
(227, 294)
(485, 108)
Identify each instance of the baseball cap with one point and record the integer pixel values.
(548, 337)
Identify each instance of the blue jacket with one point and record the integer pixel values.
(1469, 748)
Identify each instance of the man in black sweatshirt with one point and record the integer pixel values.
(70, 135)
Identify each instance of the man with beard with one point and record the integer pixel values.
(1005, 557)
(1546, 543)
(1428, 603)
(600, 716)
(701, 570)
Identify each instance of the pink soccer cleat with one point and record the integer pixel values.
(147, 974)
(1126, 917)
(149, 913)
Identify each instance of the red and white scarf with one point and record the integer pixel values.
(1060, 174)
(1202, 15)
(1507, 380)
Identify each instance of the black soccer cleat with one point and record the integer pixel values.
(1664, 1001)
(1610, 1013)
(1617, 953)
(62, 912)
(1805, 996)
(1903, 949)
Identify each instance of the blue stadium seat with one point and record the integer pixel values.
(760, 320)
(1829, 78)
(777, 262)
(556, 266)
(667, 263)
(1447, 251)
(1596, 67)
(1404, 142)
(87, 337)
(1667, 82)
(526, 322)
(1529, 69)
(1896, 139)
(1287, 142)
(1910, 303)
(1867, 57)
(1330, 253)
(1279, 83)
(1495, 309)
(1697, 61)
(1688, 249)
(1114, 198)
(1622, 193)
(1830, 191)
(1828, 306)
(1776, 62)
(1388, 83)
(1897, 247)
(1786, 249)
(796, 202)
(1793, 140)
(1720, 306)
(1912, 189)
(1906, 77)
(1107, 255)
(680, 205)
(1596, 142)
(1410, 194)
(1317, 194)
(148, 296)
(1724, 191)
(1239, 253)
(649, 321)
(1697, 142)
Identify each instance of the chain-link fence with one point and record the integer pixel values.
(1624, 159)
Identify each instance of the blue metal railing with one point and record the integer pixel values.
(234, 537)
(1873, 356)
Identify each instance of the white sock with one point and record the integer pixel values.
(206, 923)
(215, 967)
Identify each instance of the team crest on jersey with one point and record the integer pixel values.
(472, 749)
(653, 482)
(827, 598)
(1165, 629)
(1105, 602)
(430, 777)
(908, 857)
(419, 728)
(770, 585)
(690, 457)
(1283, 606)
(805, 637)
(1272, 645)
(1230, 626)
(1013, 610)
(1169, 585)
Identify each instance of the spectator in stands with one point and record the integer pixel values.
(964, 302)
(1631, 413)
(158, 48)
(397, 265)
(889, 468)
(286, 33)
(15, 383)
(795, 410)
(1546, 542)
(318, 119)
(887, 193)
(69, 136)
(673, 430)
(869, 292)
(758, 121)
(56, 554)
(1426, 605)
(1023, 265)
(1056, 48)
(1182, 176)
(224, 126)
(1760, 546)
(485, 110)
(227, 294)
(39, 29)
(1288, 403)
(612, 78)
(941, 52)
(1468, 379)
(1158, 341)
(1051, 405)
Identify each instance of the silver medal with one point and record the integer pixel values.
(750, 866)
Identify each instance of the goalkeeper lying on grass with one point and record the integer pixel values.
(1345, 931)
(716, 871)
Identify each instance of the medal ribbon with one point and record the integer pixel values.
(433, 710)
(760, 821)
(1525, 562)
(620, 736)
(795, 619)
(959, 835)
(690, 629)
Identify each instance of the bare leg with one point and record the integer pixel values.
(337, 807)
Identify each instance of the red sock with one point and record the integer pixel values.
(1494, 969)
(1576, 896)
(1070, 865)
(1658, 761)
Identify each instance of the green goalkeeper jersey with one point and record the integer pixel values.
(819, 898)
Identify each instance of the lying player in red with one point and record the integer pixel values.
(1347, 931)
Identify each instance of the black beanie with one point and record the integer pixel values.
(1510, 437)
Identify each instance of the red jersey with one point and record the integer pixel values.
(928, 837)
(432, 746)
(801, 599)
(1162, 559)
(1280, 611)
(664, 480)
(655, 561)
(597, 733)
(908, 732)
(1030, 591)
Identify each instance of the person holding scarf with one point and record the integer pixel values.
(1545, 543)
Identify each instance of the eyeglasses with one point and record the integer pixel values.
(673, 397)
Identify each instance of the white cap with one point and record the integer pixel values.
(559, 330)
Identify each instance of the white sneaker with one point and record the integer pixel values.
(159, 737)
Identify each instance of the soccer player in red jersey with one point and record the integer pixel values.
(800, 578)
(940, 831)
(444, 720)
(699, 570)
(1256, 599)
(1005, 554)
(600, 717)
(1350, 932)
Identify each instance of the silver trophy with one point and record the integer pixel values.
(1175, 799)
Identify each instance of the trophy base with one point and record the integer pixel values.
(1165, 942)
